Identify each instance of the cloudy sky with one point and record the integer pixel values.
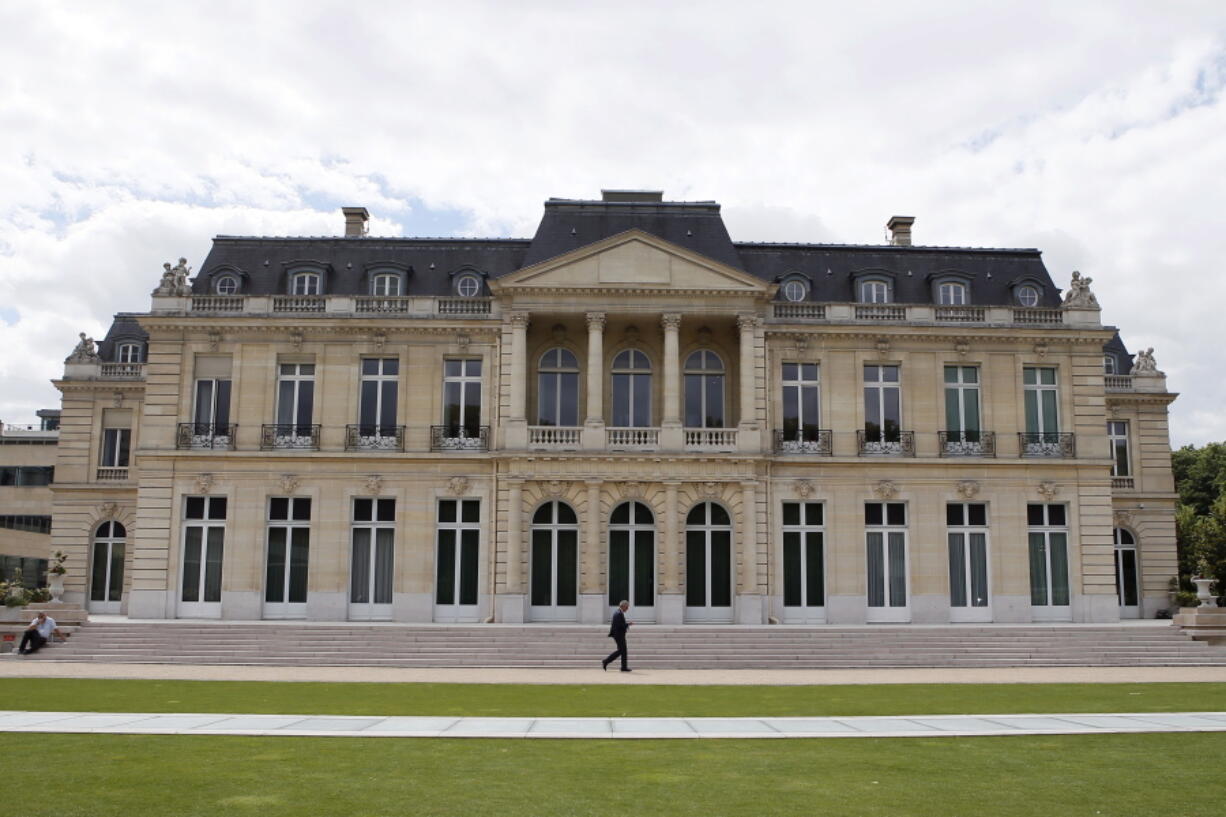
(132, 132)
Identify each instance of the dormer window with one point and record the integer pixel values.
(874, 292)
(1109, 364)
(795, 290)
(1028, 295)
(128, 353)
(951, 294)
(226, 285)
(468, 286)
(305, 283)
(386, 284)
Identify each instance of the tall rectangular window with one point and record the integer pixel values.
(459, 540)
(800, 402)
(295, 398)
(204, 534)
(1041, 401)
(116, 443)
(1048, 533)
(377, 402)
(886, 544)
(1117, 437)
(462, 397)
(212, 407)
(372, 554)
(962, 403)
(289, 542)
(882, 404)
(804, 583)
(967, 524)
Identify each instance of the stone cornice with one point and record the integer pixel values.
(936, 334)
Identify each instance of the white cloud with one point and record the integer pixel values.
(132, 132)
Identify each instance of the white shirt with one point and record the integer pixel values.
(46, 628)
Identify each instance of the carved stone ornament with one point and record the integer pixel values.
(378, 339)
(84, 351)
(457, 486)
(555, 487)
(748, 323)
(374, 484)
(968, 488)
(883, 347)
(1079, 295)
(289, 483)
(671, 320)
(1048, 490)
(295, 340)
(174, 280)
(632, 490)
(559, 333)
(631, 335)
(520, 319)
(803, 488)
(1040, 349)
(595, 320)
(962, 348)
(215, 338)
(885, 489)
(1145, 365)
(1123, 519)
(117, 399)
(204, 483)
(801, 341)
(108, 510)
(709, 489)
(704, 336)
(462, 339)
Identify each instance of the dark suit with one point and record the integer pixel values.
(617, 632)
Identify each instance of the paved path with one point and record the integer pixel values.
(131, 723)
(14, 667)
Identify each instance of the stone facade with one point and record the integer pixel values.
(540, 457)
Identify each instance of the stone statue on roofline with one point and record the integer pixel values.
(1144, 364)
(174, 279)
(85, 351)
(1079, 295)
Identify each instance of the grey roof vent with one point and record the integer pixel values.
(355, 221)
(632, 195)
(900, 230)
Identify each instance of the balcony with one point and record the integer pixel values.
(381, 305)
(1120, 483)
(374, 438)
(799, 311)
(289, 436)
(206, 436)
(632, 439)
(961, 314)
(1038, 316)
(122, 371)
(112, 474)
(299, 304)
(967, 443)
(888, 444)
(813, 441)
(459, 438)
(709, 439)
(881, 312)
(555, 438)
(1118, 382)
(464, 306)
(1053, 444)
(218, 303)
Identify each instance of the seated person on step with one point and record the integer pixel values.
(38, 633)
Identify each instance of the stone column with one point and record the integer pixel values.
(519, 366)
(593, 430)
(511, 605)
(749, 599)
(592, 606)
(749, 435)
(670, 426)
(670, 607)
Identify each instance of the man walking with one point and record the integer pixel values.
(617, 632)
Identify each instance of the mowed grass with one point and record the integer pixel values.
(527, 700)
(1178, 775)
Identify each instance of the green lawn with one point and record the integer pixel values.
(99, 775)
(493, 700)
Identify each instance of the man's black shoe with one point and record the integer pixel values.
(627, 669)
(604, 665)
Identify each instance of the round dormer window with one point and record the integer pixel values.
(468, 286)
(226, 285)
(794, 290)
(1028, 295)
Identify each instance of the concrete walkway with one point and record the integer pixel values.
(606, 728)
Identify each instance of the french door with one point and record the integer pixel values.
(554, 591)
(106, 568)
(1127, 585)
(204, 540)
(457, 560)
(286, 562)
(886, 558)
(969, 597)
(372, 559)
(804, 582)
(708, 564)
(632, 559)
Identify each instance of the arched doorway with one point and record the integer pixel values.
(1127, 574)
(708, 564)
(106, 568)
(632, 559)
(554, 563)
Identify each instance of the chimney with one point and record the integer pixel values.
(632, 195)
(900, 230)
(355, 221)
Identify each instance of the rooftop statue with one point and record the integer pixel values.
(85, 351)
(174, 279)
(1144, 363)
(1079, 294)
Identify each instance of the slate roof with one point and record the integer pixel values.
(1123, 360)
(123, 328)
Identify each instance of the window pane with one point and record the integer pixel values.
(695, 569)
(1055, 516)
(1038, 570)
(302, 509)
(278, 508)
(274, 580)
(568, 568)
(362, 510)
(1059, 569)
(212, 565)
(792, 577)
(977, 513)
(547, 400)
(383, 565)
(957, 571)
(715, 402)
(814, 570)
(445, 581)
(542, 567)
(116, 586)
(192, 544)
(979, 569)
(97, 583)
(385, 510)
(693, 401)
(195, 507)
(469, 548)
(791, 513)
(953, 514)
(873, 514)
(721, 569)
(874, 550)
(299, 558)
(359, 582)
(896, 513)
(217, 507)
(619, 566)
(644, 568)
(898, 570)
(470, 510)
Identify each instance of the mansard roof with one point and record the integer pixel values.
(123, 328)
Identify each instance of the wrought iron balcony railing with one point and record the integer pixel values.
(967, 443)
(886, 443)
(295, 436)
(199, 436)
(1060, 444)
(817, 441)
(459, 438)
(374, 438)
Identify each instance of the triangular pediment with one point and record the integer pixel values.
(633, 260)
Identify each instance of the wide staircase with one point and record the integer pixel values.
(660, 647)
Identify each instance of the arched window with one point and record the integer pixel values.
(305, 283)
(386, 284)
(106, 568)
(1126, 572)
(226, 285)
(951, 293)
(631, 390)
(468, 286)
(874, 292)
(708, 563)
(632, 556)
(557, 394)
(127, 353)
(704, 390)
(555, 562)
(794, 290)
(1028, 295)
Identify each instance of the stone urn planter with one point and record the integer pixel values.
(55, 583)
(1202, 592)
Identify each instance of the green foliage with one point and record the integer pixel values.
(1200, 520)
(1200, 475)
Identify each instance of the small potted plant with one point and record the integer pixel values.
(55, 575)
